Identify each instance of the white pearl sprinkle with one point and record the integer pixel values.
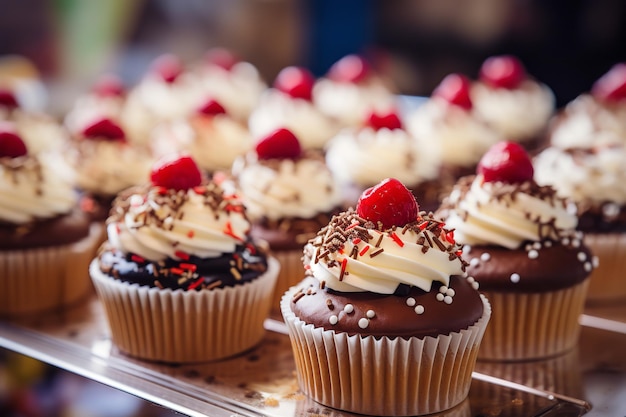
(447, 299)
(576, 243)
(588, 266)
(485, 257)
(333, 319)
(595, 261)
(528, 247)
(363, 323)
(474, 261)
(450, 292)
(533, 254)
(515, 277)
(565, 241)
(419, 309)
(537, 245)
(471, 279)
(467, 249)
(410, 301)
(348, 308)
(547, 243)
(582, 256)
(370, 314)
(443, 289)
(475, 285)
(440, 297)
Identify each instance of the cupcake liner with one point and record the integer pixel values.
(38, 280)
(291, 272)
(383, 376)
(185, 326)
(608, 282)
(533, 325)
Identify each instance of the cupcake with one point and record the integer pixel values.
(384, 321)
(105, 164)
(289, 104)
(46, 241)
(289, 194)
(179, 277)
(360, 157)
(39, 131)
(523, 247)
(513, 103)
(350, 89)
(210, 135)
(447, 124)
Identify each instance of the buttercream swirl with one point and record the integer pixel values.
(35, 187)
(157, 224)
(508, 215)
(39, 131)
(286, 188)
(364, 156)
(352, 255)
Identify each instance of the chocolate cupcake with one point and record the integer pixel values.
(180, 278)
(384, 322)
(523, 247)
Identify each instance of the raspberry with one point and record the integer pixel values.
(389, 202)
(455, 89)
(211, 108)
(389, 120)
(350, 68)
(104, 129)
(296, 82)
(612, 85)
(168, 67)
(506, 162)
(7, 99)
(280, 144)
(11, 145)
(221, 57)
(504, 71)
(109, 85)
(177, 172)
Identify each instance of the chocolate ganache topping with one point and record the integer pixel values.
(190, 239)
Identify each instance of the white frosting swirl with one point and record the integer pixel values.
(518, 114)
(595, 176)
(350, 103)
(213, 141)
(156, 226)
(35, 187)
(106, 167)
(460, 136)
(402, 260)
(366, 156)
(92, 107)
(39, 131)
(496, 213)
(276, 109)
(279, 189)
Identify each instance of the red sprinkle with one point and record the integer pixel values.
(161, 190)
(459, 252)
(450, 236)
(228, 230)
(364, 250)
(196, 283)
(188, 267)
(190, 234)
(199, 189)
(423, 225)
(356, 240)
(353, 225)
(307, 266)
(182, 255)
(251, 249)
(396, 239)
(177, 271)
(137, 258)
(344, 264)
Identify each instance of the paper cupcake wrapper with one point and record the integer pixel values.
(39, 280)
(608, 282)
(185, 326)
(383, 376)
(291, 273)
(533, 325)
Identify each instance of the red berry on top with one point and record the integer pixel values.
(455, 89)
(612, 85)
(109, 85)
(104, 129)
(506, 162)
(389, 202)
(210, 108)
(350, 68)
(7, 99)
(221, 57)
(296, 82)
(11, 145)
(168, 67)
(504, 71)
(280, 144)
(388, 119)
(176, 172)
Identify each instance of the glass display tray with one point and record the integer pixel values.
(590, 380)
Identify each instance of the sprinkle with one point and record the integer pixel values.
(595, 261)
(198, 189)
(450, 237)
(182, 255)
(188, 267)
(582, 256)
(565, 241)
(380, 238)
(251, 248)
(533, 254)
(190, 234)
(410, 301)
(177, 271)
(214, 284)
(333, 319)
(329, 304)
(297, 296)
(485, 256)
(419, 309)
(158, 284)
(348, 308)
(443, 289)
(356, 240)
(228, 230)
(423, 225)
(322, 282)
(576, 243)
(470, 279)
(439, 244)
(537, 245)
(353, 225)
(363, 323)
(137, 258)
(196, 283)
(475, 285)
(344, 264)
(515, 277)
(450, 292)
(474, 261)
(364, 250)
(547, 243)
(440, 297)
(370, 314)
(588, 266)
(396, 239)
(161, 190)
(447, 299)
(182, 280)
(377, 252)
(467, 249)
(235, 273)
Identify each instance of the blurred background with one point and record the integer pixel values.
(567, 44)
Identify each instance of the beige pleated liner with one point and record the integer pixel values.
(533, 325)
(608, 280)
(291, 273)
(383, 377)
(34, 281)
(185, 326)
